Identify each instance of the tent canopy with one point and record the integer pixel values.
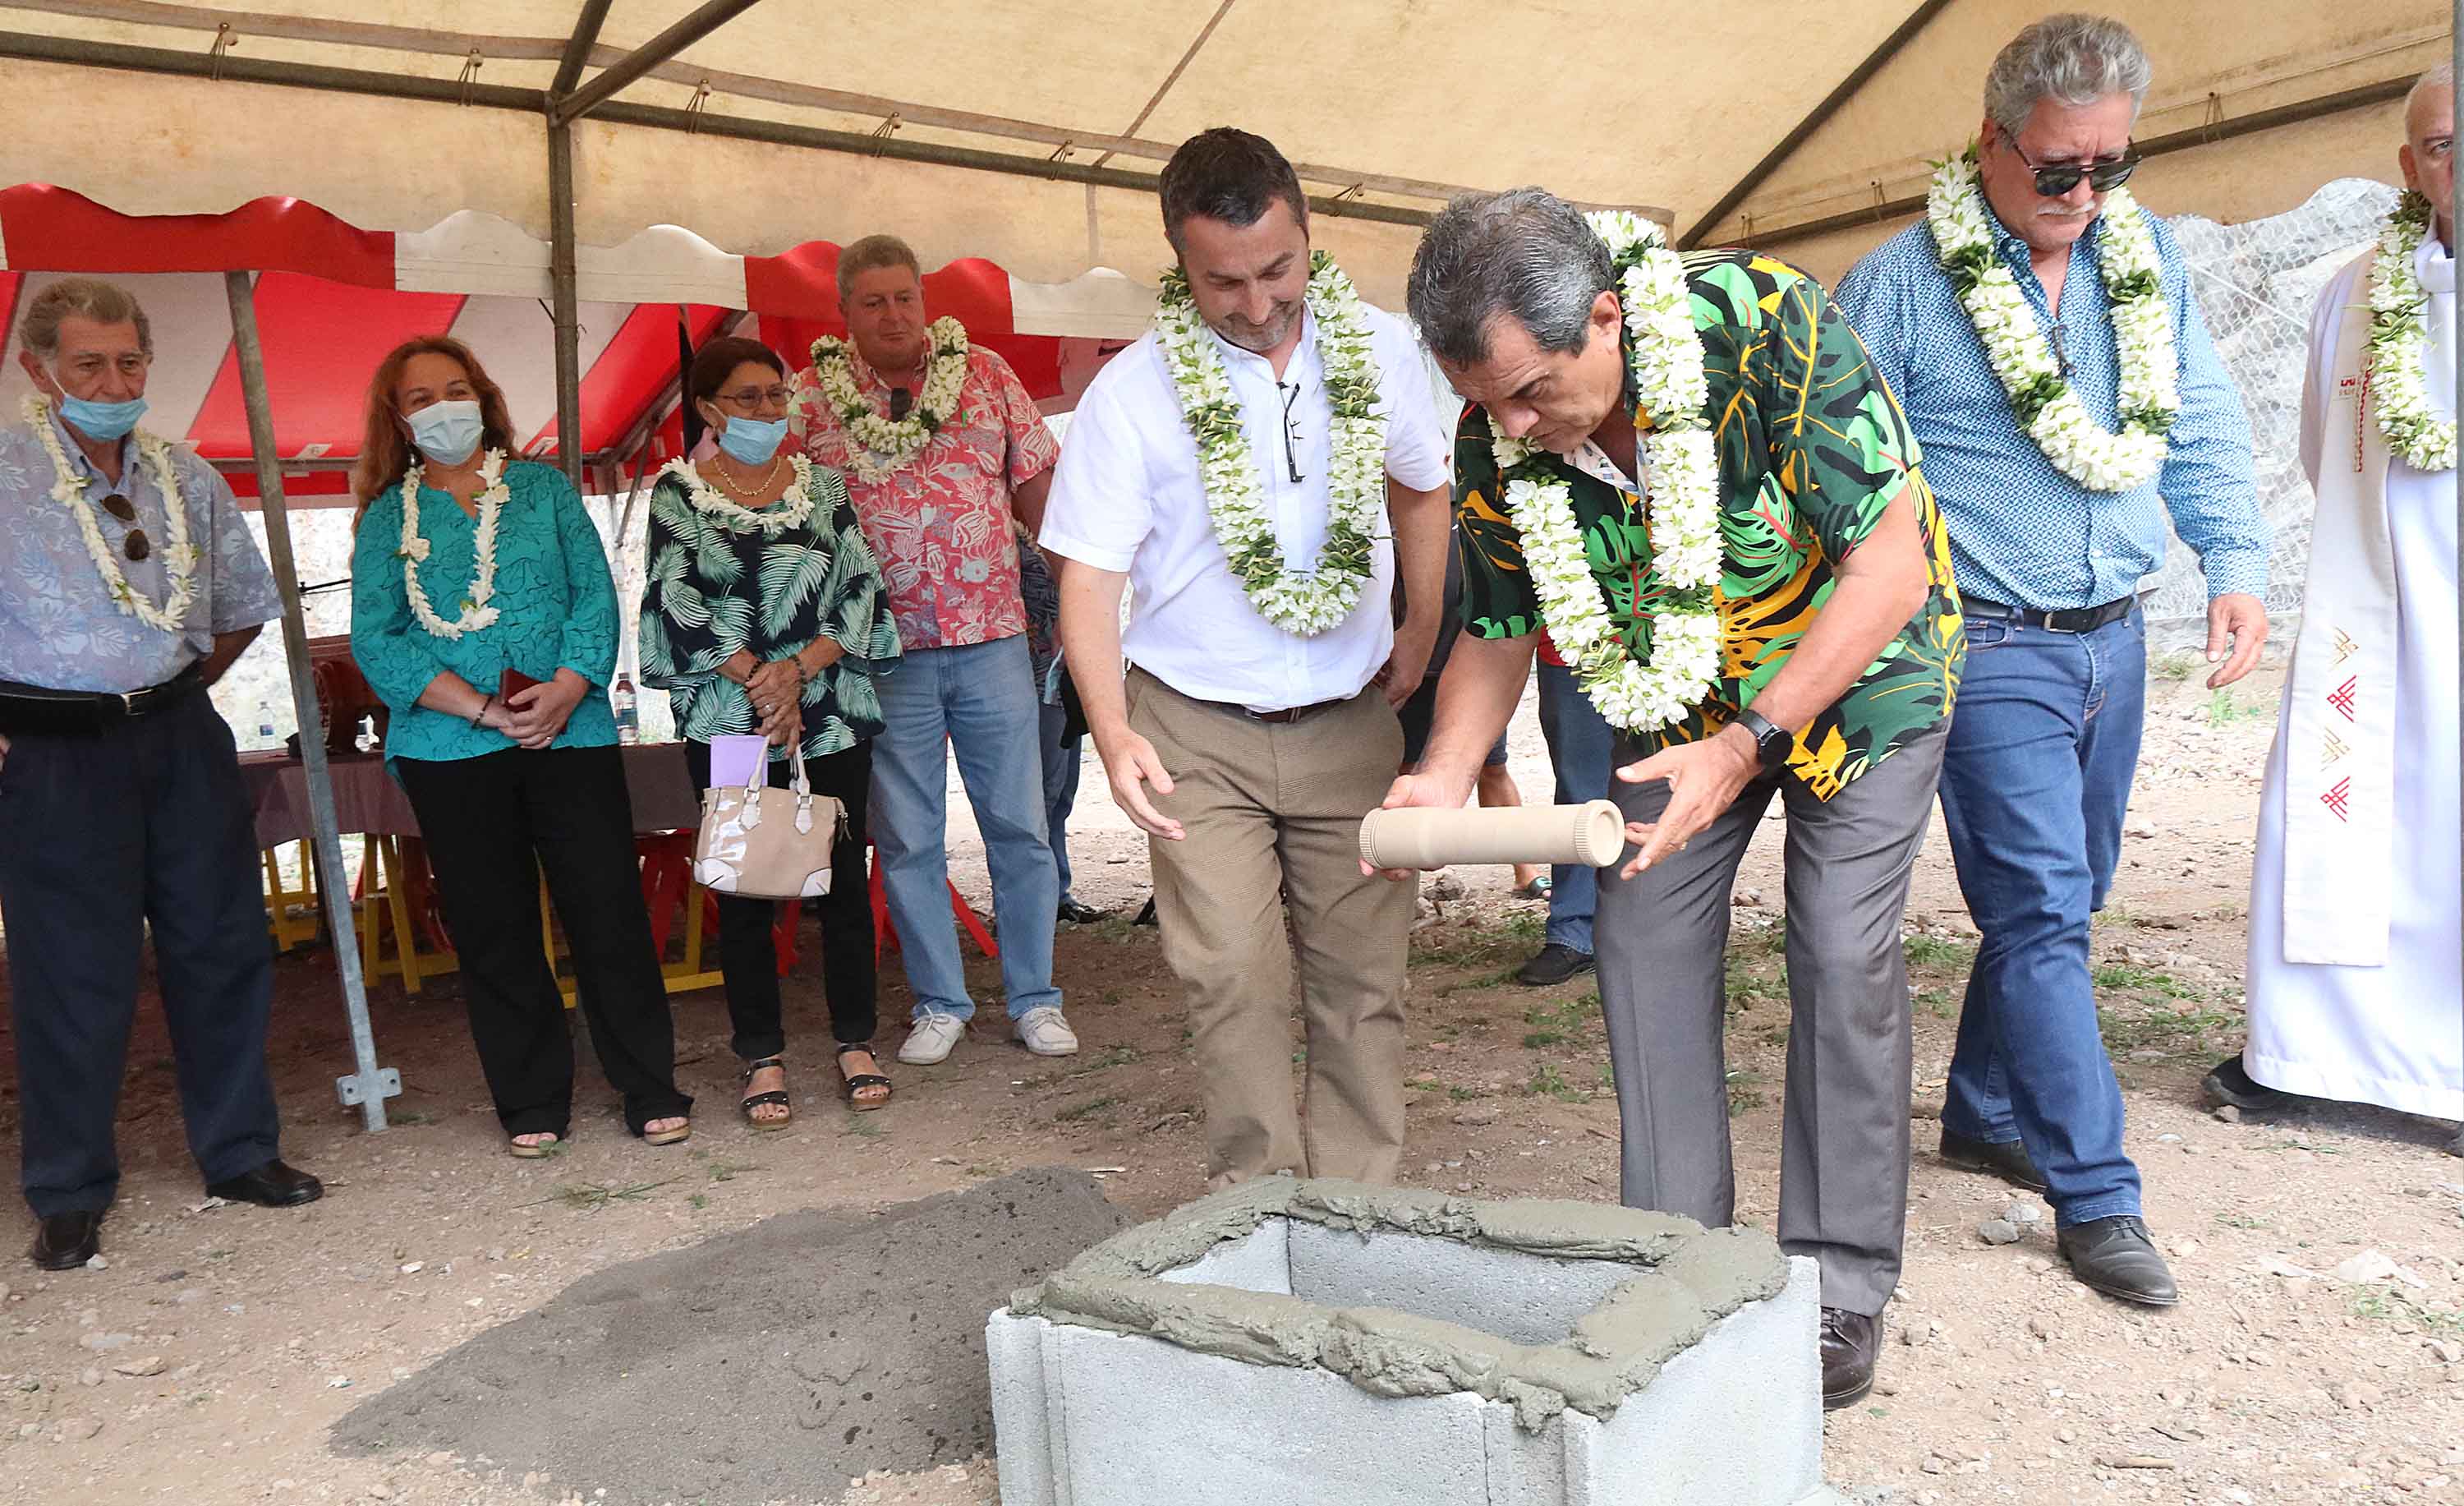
(1027, 132)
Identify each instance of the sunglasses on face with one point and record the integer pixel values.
(2104, 177)
(135, 545)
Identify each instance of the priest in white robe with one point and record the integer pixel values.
(2356, 992)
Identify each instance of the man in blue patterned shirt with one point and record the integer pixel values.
(129, 582)
(2055, 522)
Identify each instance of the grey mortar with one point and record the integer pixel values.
(1691, 1278)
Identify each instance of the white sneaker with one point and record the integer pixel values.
(930, 1040)
(1045, 1032)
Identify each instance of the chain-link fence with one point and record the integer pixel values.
(2258, 283)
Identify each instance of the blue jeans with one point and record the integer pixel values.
(2042, 747)
(1582, 747)
(1060, 788)
(980, 699)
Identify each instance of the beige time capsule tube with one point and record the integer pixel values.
(1424, 837)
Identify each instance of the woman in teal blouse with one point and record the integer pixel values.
(483, 615)
(766, 613)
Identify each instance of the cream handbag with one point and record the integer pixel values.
(760, 842)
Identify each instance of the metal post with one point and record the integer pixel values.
(569, 314)
(371, 1085)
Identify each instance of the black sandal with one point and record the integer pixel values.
(865, 1090)
(777, 1096)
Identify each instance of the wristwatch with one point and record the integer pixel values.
(1773, 743)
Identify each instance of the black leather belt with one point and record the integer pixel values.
(83, 713)
(1289, 714)
(1285, 717)
(2070, 619)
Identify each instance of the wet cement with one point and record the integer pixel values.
(772, 1364)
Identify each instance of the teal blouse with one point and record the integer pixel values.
(556, 608)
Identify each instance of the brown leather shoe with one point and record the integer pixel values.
(1851, 1344)
(66, 1241)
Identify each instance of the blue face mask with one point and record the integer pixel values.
(108, 422)
(447, 432)
(753, 441)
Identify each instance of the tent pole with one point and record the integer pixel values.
(370, 1085)
(708, 17)
(2455, 183)
(568, 315)
(1892, 46)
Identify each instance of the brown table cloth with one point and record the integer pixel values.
(366, 799)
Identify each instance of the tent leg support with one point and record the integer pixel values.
(368, 1088)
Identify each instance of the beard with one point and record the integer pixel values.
(1260, 339)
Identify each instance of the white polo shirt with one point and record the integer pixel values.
(1127, 496)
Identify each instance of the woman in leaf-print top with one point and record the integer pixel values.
(764, 613)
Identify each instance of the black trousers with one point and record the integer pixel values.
(147, 821)
(491, 823)
(748, 956)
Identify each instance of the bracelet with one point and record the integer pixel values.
(484, 706)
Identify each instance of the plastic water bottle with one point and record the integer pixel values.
(628, 720)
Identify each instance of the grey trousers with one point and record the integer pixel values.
(1661, 939)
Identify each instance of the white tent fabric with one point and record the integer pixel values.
(1645, 103)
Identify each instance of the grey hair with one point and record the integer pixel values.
(2073, 57)
(2441, 77)
(1523, 253)
(80, 297)
(871, 254)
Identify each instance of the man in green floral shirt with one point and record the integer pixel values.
(1712, 505)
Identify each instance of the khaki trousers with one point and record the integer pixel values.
(1272, 816)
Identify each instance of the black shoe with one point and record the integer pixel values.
(2233, 1084)
(2115, 1256)
(1076, 914)
(66, 1241)
(2005, 1159)
(1555, 962)
(1851, 1344)
(273, 1185)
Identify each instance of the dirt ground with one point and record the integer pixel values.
(207, 1362)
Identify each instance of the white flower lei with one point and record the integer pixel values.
(2399, 380)
(876, 447)
(179, 557)
(1309, 604)
(2042, 400)
(1681, 467)
(777, 518)
(477, 613)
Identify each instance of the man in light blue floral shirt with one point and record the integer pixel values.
(129, 582)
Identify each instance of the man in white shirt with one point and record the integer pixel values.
(1256, 725)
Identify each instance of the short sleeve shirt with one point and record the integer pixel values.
(1813, 450)
(940, 526)
(60, 626)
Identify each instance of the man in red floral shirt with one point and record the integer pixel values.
(941, 446)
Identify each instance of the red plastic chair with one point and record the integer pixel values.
(884, 932)
(666, 880)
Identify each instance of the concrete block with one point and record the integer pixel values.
(1297, 1344)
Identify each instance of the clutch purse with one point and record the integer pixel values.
(760, 842)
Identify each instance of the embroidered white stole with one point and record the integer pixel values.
(2340, 714)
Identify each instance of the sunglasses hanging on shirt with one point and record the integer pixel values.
(135, 545)
(901, 401)
(1291, 391)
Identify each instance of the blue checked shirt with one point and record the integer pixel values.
(2022, 533)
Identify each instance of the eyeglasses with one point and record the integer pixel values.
(755, 396)
(1292, 460)
(135, 545)
(2104, 177)
(901, 403)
